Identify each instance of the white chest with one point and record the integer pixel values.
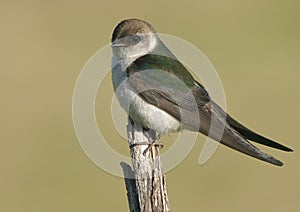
(139, 110)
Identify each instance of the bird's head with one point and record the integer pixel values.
(133, 38)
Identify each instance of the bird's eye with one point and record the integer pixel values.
(136, 38)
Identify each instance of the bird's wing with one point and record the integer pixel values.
(249, 134)
(165, 83)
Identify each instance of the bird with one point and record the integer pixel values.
(158, 92)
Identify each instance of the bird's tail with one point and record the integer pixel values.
(235, 136)
(234, 140)
(249, 134)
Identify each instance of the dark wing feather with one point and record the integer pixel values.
(159, 81)
(249, 134)
(177, 93)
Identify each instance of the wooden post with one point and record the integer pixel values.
(149, 178)
(132, 193)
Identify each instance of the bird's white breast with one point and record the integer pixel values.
(139, 110)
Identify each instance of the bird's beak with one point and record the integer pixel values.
(117, 44)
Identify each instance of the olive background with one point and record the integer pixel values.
(254, 46)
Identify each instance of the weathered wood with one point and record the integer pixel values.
(132, 194)
(149, 177)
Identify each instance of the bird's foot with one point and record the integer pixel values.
(152, 140)
(149, 143)
(152, 144)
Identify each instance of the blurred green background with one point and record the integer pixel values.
(254, 46)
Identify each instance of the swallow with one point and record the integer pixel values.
(159, 93)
